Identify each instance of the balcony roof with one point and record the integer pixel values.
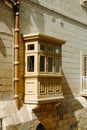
(46, 38)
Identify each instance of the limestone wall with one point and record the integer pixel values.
(6, 52)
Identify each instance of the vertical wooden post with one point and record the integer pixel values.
(16, 52)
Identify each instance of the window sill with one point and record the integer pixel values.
(83, 94)
(44, 75)
(44, 100)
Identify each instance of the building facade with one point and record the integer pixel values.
(46, 56)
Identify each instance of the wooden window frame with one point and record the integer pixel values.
(54, 55)
(83, 77)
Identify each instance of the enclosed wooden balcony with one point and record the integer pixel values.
(43, 65)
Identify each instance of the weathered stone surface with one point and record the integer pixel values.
(81, 116)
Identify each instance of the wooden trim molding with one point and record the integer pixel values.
(44, 76)
(43, 37)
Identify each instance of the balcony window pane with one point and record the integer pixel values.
(58, 50)
(57, 65)
(30, 63)
(42, 63)
(50, 49)
(85, 65)
(30, 47)
(42, 47)
(50, 62)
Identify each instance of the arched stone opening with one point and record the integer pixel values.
(40, 127)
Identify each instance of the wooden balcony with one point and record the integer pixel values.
(43, 64)
(43, 89)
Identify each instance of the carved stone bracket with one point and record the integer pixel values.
(83, 3)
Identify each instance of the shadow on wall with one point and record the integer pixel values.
(70, 103)
(53, 115)
(6, 17)
(2, 48)
(32, 18)
(38, 18)
(6, 25)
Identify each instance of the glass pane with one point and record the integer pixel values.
(50, 61)
(42, 47)
(30, 47)
(50, 49)
(42, 63)
(30, 63)
(58, 50)
(85, 66)
(57, 65)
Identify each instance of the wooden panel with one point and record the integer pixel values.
(29, 88)
(50, 88)
(43, 89)
(47, 88)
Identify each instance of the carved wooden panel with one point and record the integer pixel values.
(29, 88)
(42, 88)
(84, 85)
(57, 87)
(49, 88)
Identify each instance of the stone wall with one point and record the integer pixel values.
(6, 52)
(51, 115)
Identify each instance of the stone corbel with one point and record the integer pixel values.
(83, 3)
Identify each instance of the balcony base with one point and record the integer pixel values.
(84, 94)
(43, 100)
